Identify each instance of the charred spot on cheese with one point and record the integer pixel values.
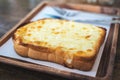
(43, 22)
(81, 52)
(89, 50)
(88, 36)
(39, 27)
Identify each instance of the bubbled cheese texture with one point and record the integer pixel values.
(68, 35)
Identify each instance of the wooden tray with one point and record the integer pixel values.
(106, 64)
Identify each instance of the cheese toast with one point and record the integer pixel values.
(69, 43)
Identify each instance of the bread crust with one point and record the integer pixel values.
(21, 49)
(27, 51)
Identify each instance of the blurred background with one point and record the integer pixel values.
(12, 11)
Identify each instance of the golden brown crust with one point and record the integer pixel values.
(21, 49)
(83, 65)
(37, 54)
(56, 57)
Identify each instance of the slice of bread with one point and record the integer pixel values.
(69, 43)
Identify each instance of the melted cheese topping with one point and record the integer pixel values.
(53, 33)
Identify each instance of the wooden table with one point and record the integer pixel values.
(11, 12)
